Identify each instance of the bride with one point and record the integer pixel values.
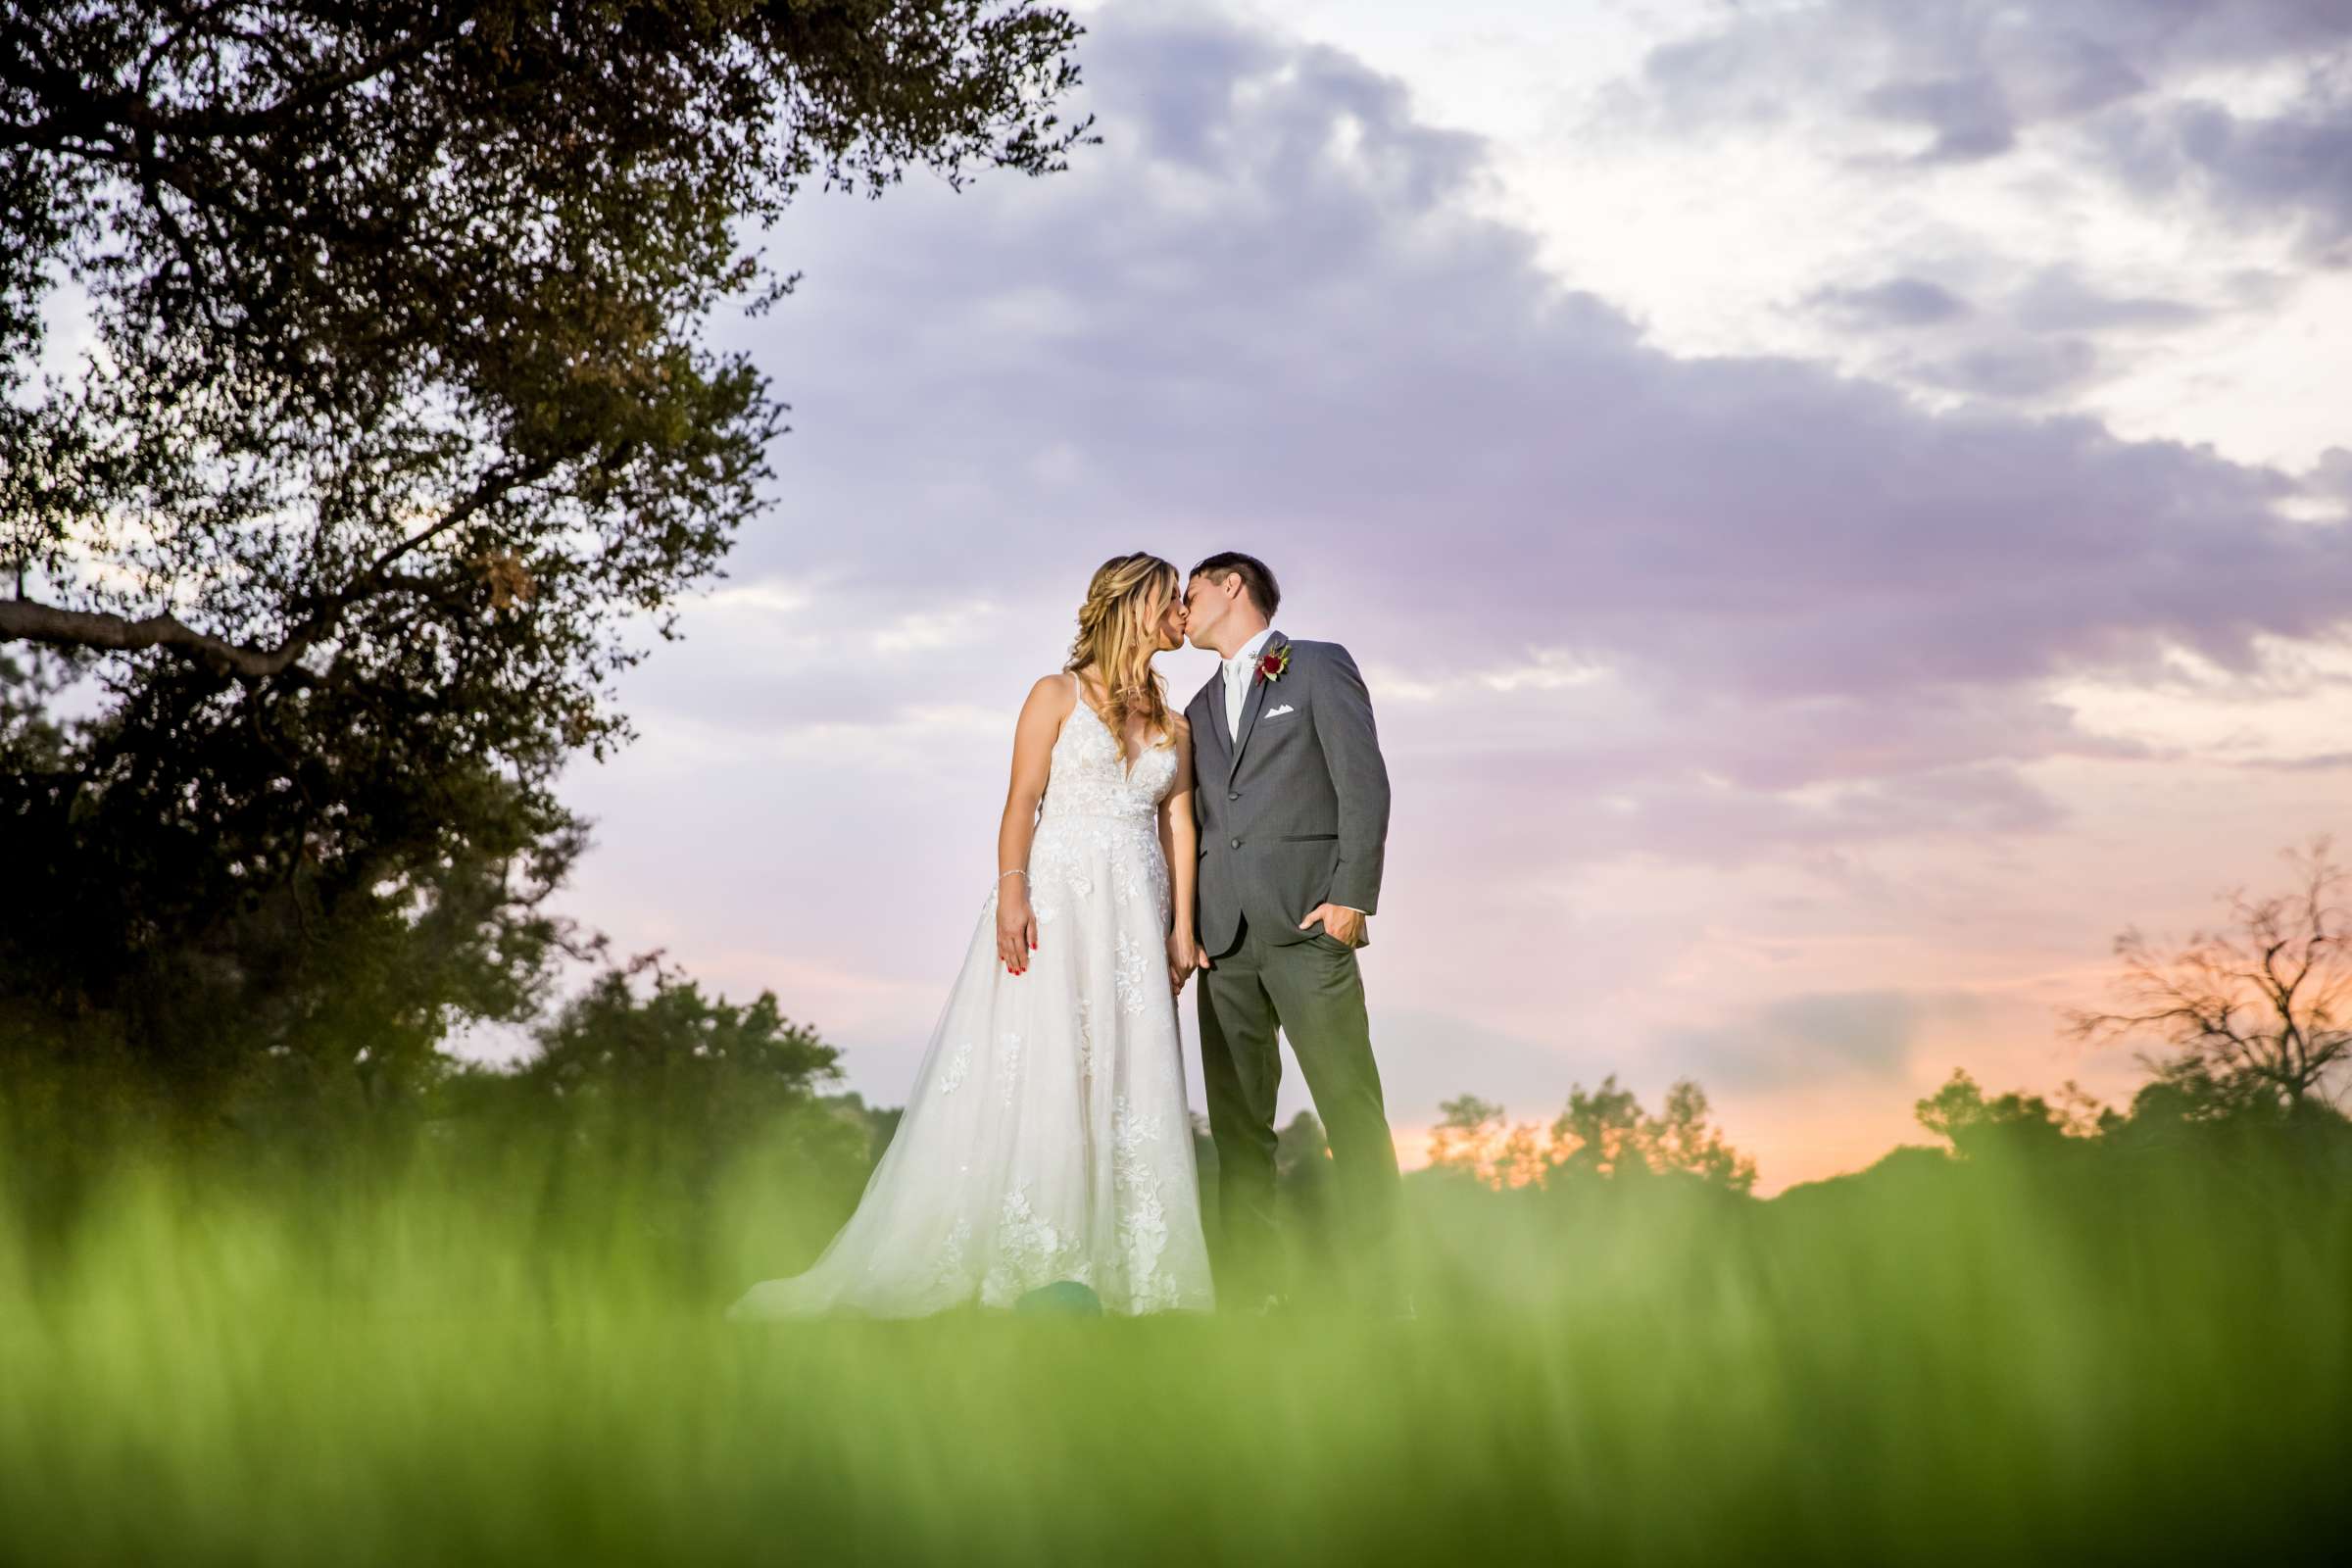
(1047, 1137)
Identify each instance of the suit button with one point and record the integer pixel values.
(1236, 844)
(1232, 795)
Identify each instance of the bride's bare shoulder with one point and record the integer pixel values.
(1053, 697)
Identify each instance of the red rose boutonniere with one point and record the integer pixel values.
(1271, 665)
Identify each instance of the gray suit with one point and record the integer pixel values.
(1294, 814)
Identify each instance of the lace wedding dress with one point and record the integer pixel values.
(1046, 1136)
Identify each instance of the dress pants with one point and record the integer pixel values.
(1310, 990)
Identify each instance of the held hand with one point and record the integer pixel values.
(1183, 957)
(1346, 924)
(1016, 927)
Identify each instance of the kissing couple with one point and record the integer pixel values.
(1045, 1140)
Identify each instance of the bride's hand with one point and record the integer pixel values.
(1182, 957)
(1016, 926)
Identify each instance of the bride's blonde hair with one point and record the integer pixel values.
(1123, 605)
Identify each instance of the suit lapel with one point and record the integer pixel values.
(1255, 698)
(1208, 717)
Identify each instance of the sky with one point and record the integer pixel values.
(1842, 507)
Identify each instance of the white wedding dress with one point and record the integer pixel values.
(1046, 1136)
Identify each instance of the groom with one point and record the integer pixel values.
(1293, 801)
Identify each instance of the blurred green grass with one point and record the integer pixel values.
(511, 1349)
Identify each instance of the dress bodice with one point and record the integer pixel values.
(1087, 774)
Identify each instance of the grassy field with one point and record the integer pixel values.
(505, 1357)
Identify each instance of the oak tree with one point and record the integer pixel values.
(382, 426)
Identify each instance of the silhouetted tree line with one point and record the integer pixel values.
(2252, 1028)
(1602, 1135)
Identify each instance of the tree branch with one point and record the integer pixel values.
(28, 620)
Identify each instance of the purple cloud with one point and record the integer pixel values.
(1263, 314)
(2295, 167)
(1978, 77)
(1966, 115)
(1614, 605)
(1898, 302)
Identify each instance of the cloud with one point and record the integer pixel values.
(1976, 79)
(1966, 115)
(2292, 166)
(1821, 1037)
(2332, 475)
(1898, 302)
(2034, 342)
(1968, 145)
(2057, 299)
(1265, 313)
(2323, 763)
(2016, 370)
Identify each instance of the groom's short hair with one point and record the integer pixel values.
(1264, 592)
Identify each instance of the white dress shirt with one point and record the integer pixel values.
(1237, 682)
(1236, 694)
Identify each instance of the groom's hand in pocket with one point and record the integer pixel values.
(1337, 922)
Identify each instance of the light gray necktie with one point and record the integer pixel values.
(1235, 671)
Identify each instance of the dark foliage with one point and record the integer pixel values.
(398, 431)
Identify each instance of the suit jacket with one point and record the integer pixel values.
(1294, 813)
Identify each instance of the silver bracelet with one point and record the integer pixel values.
(1015, 871)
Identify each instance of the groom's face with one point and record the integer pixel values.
(1203, 608)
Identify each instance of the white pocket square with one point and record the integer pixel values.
(1276, 713)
